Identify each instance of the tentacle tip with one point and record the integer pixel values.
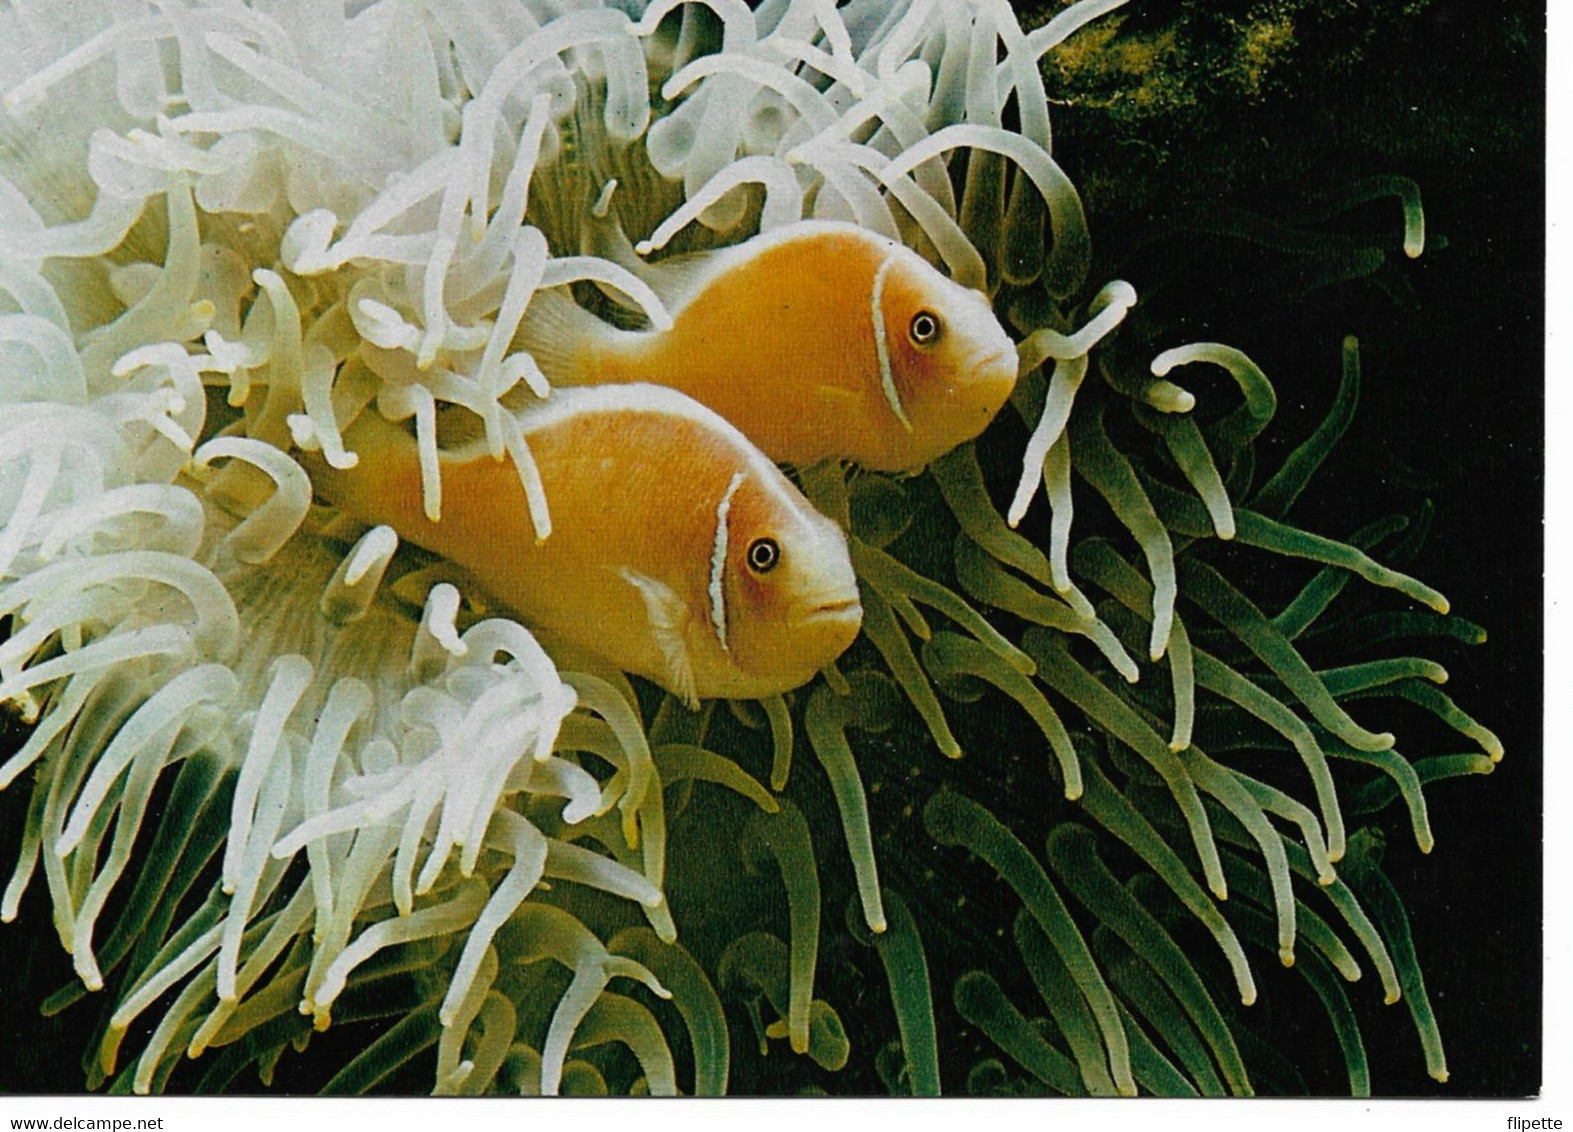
(1221, 891)
(1286, 957)
(1384, 741)
(1226, 532)
(644, 247)
(1127, 1088)
(1178, 745)
(1073, 793)
(877, 925)
(1326, 879)
(1440, 1075)
(1390, 997)
(1426, 844)
(666, 932)
(799, 1043)
(951, 749)
(1248, 997)
(1441, 605)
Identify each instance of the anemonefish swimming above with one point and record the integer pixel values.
(818, 340)
(677, 550)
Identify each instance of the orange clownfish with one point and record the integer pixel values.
(677, 550)
(817, 340)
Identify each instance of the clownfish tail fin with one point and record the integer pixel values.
(562, 336)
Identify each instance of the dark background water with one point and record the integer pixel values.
(1450, 94)
(1263, 106)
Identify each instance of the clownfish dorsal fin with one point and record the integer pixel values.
(679, 279)
(603, 235)
(669, 616)
(675, 279)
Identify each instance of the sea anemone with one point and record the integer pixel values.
(289, 772)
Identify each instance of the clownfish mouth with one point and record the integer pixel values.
(842, 609)
(995, 364)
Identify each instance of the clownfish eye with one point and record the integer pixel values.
(763, 554)
(925, 328)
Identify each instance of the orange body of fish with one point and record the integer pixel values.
(677, 550)
(818, 340)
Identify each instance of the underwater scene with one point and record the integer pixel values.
(797, 548)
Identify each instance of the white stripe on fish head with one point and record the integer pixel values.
(718, 560)
(881, 345)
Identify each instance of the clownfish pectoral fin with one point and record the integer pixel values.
(669, 616)
(839, 399)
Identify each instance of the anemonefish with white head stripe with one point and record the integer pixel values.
(677, 550)
(818, 340)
